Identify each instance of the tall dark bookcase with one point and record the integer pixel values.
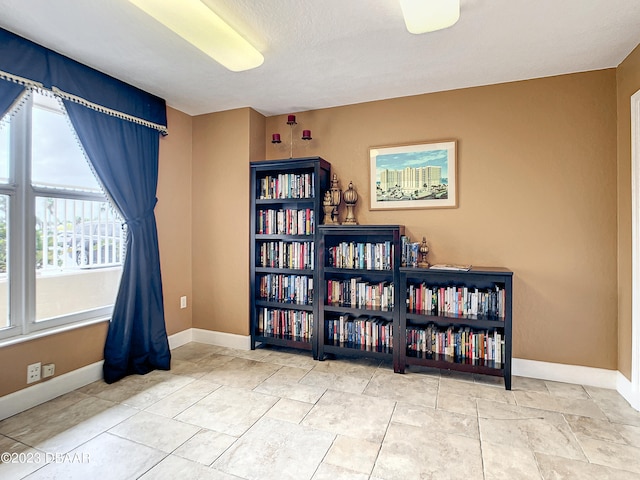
(457, 320)
(358, 294)
(286, 209)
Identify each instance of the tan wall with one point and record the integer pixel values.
(68, 350)
(221, 155)
(537, 194)
(173, 214)
(628, 81)
(80, 347)
(257, 137)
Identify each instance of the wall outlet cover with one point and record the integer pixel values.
(33, 372)
(48, 370)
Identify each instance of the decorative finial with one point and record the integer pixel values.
(424, 249)
(350, 198)
(327, 206)
(336, 198)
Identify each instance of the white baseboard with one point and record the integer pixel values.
(29, 397)
(558, 372)
(222, 339)
(625, 388)
(181, 338)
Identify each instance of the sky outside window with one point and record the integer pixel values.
(57, 158)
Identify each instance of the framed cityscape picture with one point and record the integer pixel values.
(421, 175)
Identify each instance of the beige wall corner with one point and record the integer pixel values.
(628, 83)
(174, 218)
(257, 144)
(223, 145)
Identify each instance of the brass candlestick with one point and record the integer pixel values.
(424, 249)
(350, 198)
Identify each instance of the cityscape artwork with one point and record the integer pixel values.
(413, 176)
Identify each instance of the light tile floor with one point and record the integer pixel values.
(278, 414)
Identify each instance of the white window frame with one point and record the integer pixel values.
(21, 240)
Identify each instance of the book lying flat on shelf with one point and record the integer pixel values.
(447, 266)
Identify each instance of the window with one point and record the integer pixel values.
(4, 284)
(4, 225)
(61, 242)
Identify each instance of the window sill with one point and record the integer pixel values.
(52, 331)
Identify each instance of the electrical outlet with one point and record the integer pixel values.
(183, 302)
(48, 370)
(33, 372)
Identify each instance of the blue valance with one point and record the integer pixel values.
(21, 57)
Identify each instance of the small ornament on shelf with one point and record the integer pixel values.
(336, 198)
(350, 197)
(424, 250)
(327, 206)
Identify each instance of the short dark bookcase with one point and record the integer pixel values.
(359, 263)
(463, 334)
(286, 209)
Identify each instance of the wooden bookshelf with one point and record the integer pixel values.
(460, 320)
(286, 209)
(358, 280)
(340, 290)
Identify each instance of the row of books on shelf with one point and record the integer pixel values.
(285, 323)
(457, 343)
(293, 255)
(357, 293)
(287, 185)
(463, 301)
(288, 221)
(366, 256)
(370, 333)
(297, 289)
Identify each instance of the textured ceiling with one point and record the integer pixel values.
(324, 53)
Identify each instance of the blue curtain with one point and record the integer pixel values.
(9, 92)
(125, 158)
(19, 57)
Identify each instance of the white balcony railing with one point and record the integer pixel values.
(72, 234)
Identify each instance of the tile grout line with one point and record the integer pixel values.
(484, 472)
(386, 430)
(203, 429)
